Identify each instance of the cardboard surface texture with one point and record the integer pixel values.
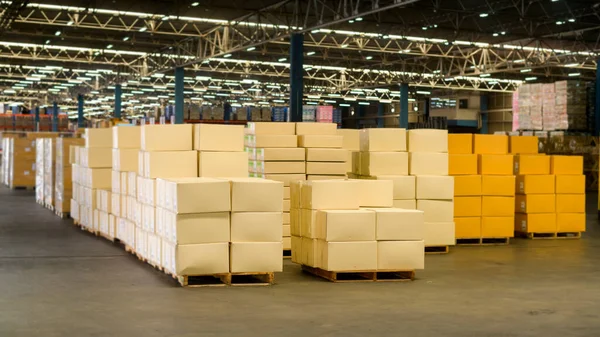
(570, 203)
(256, 227)
(213, 137)
(166, 137)
(248, 257)
(184, 229)
(435, 187)
(280, 154)
(319, 141)
(467, 185)
(125, 160)
(467, 206)
(405, 204)
(495, 165)
(497, 206)
(425, 163)
(437, 210)
(490, 144)
(405, 187)
(256, 195)
(535, 203)
(428, 140)
(351, 140)
(323, 168)
(383, 140)
(326, 155)
(523, 144)
(331, 194)
(570, 184)
(383, 163)
(532, 164)
(375, 193)
(98, 138)
(127, 137)
(400, 255)
(270, 128)
(498, 186)
(535, 223)
(497, 227)
(439, 234)
(202, 259)
(468, 227)
(222, 164)
(460, 143)
(198, 195)
(346, 225)
(319, 129)
(172, 164)
(462, 164)
(266, 141)
(536, 184)
(349, 256)
(570, 222)
(566, 165)
(398, 224)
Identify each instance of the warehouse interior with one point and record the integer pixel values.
(503, 91)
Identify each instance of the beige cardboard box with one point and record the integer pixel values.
(98, 138)
(310, 253)
(127, 136)
(278, 167)
(96, 157)
(185, 229)
(425, 163)
(125, 160)
(296, 249)
(405, 204)
(384, 163)
(399, 224)
(256, 227)
(286, 231)
(375, 193)
(222, 164)
(318, 141)
(437, 210)
(287, 243)
(323, 168)
(347, 225)
(428, 140)
(286, 179)
(171, 164)
(322, 177)
(266, 141)
(202, 259)
(198, 195)
(435, 187)
(383, 140)
(132, 184)
(271, 128)
(214, 137)
(249, 257)
(349, 256)
(331, 194)
(286, 192)
(280, 154)
(327, 155)
(308, 223)
(256, 195)
(439, 233)
(400, 255)
(166, 137)
(115, 181)
(404, 186)
(286, 218)
(351, 139)
(287, 205)
(311, 128)
(100, 178)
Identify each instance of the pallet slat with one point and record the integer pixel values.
(549, 236)
(482, 241)
(437, 249)
(361, 276)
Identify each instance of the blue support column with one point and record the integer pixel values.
(380, 115)
(403, 122)
(483, 107)
(227, 110)
(55, 117)
(118, 94)
(179, 95)
(296, 76)
(597, 105)
(36, 111)
(80, 109)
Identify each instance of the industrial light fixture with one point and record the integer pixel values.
(574, 74)
(495, 34)
(369, 57)
(251, 49)
(143, 29)
(165, 18)
(126, 38)
(483, 15)
(345, 45)
(485, 75)
(282, 59)
(530, 78)
(344, 104)
(571, 65)
(558, 23)
(358, 19)
(350, 21)
(227, 55)
(310, 53)
(423, 92)
(525, 70)
(571, 20)
(58, 32)
(195, 4)
(70, 23)
(109, 46)
(47, 41)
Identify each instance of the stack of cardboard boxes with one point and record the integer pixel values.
(570, 193)
(63, 183)
(39, 172)
(350, 143)
(325, 158)
(49, 158)
(18, 162)
(220, 150)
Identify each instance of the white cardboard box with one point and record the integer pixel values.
(346, 225)
(400, 255)
(249, 257)
(435, 187)
(256, 227)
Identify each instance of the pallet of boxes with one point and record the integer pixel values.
(325, 157)
(63, 182)
(18, 162)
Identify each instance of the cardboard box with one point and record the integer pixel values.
(467, 185)
(253, 257)
(383, 140)
(566, 165)
(286, 179)
(99, 178)
(278, 167)
(202, 259)
(312, 177)
(535, 203)
(375, 193)
(497, 206)
(570, 222)
(286, 192)
(125, 160)
(296, 249)
(323, 168)
(197, 195)
(405, 187)
(467, 227)
(351, 139)
(460, 143)
(498, 186)
(428, 140)
(398, 224)
(435, 187)
(326, 155)
(535, 223)
(98, 138)
(439, 234)
(256, 195)
(286, 231)
(96, 157)
(280, 154)
(316, 141)
(383, 163)
(256, 227)
(467, 206)
(405, 204)
(126, 136)
(310, 253)
(154, 137)
(490, 144)
(437, 210)
(495, 165)
(308, 223)
(570, 184)
(570, 203)
(271, 128)
(214, 137)
(286, 243)
(536, 184)
(346, 225)
(331, 194)
(318, 129)
(424, 163)
(497, 227)
(462, 164)
(287, 205)
(172, 164)
(186, 229)
(266, 141)
(349, 256)
(532, 164)
(286, 218)
(400, 255)
(523, 144)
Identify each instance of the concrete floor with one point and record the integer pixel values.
(56, 280)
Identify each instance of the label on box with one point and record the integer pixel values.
(26, 173)
(521, 186)
(522, 205)
(523, 226)
(27, 149)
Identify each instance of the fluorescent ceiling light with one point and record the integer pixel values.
(570, 65)
(483, 15)
(364, 103)
(345, 45)
(344, 104)
(423, 92)
(194, 4)
(251, 49)
(70, 23)
(126, 38)
(278, 101)
(143, 29)
(485, 75)
(525, 70)
(283, 59)
(58, 32)
(369, 57)
(574, 74)
(310, 53)
(530, 78)
(227, 55)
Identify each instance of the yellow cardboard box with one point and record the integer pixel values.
(570, 203)
(467, 206)
(497, 206)
(535, 203)
(460, 143)
(495, 164)
(523, 144)
(498, 186)
(535, 223)
(532, 164)
(490, 144)
(462, 164)
(467, 227)
(570, 222)
(497, 227)
(535, 184)
(570, 184)
(467, 185)
(566, 165)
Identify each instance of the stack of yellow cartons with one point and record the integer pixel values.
(495, 166)
(49, 161)
(570, 194)
(428, 151)
(325, 158)
(462, 164)
(63, 187)
(351, 143)
(274, 154)
(220, 150)
(536, 199)
(19, 162)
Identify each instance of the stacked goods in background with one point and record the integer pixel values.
(570, 106)
(19, 162)
(428, 159)
(325, 158)
(63, 182)
(39, 172)
(348, 229)
(274, 154)
(49, 161)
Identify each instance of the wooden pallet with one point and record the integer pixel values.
(361, 276)
(287, 253)
(483, 241)
(28, 188)
(49, 206)
(106, 237)
(249, 279)
(62, 215)
(437, 250)
(549, 236)
(196, 281)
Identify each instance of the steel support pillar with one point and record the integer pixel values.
(597, 104)
(296, 76)
(179, 95)
(80, 108)
(55, 117)
(36, 111)
(380, 108)
(403, 122)
(427, 107)
(118, 95)
(483, 108)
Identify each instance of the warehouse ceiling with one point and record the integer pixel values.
(240, 49)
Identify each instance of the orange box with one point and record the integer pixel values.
(535, 184)
(460, 143)
(498, 186)
(497, 206)
(462, 164)
(523, 144)
(566, 165)
(497, 227)
(535, 223)
(467, 206)
(467, 185)
(535, 203)
(570, 222)
(490, 144)
(570, 203)
(570, 184)
(467, 227)
(495, 164)
(526, 164)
